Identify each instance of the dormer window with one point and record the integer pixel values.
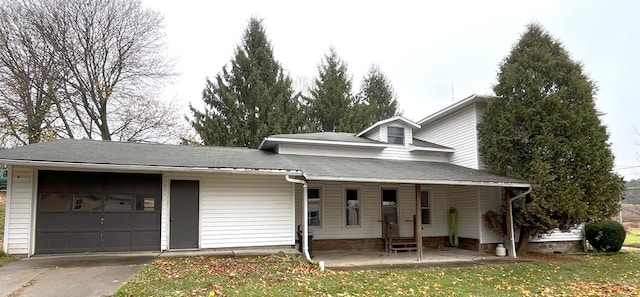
(395, 135)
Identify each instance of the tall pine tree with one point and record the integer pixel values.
(331, 98)
(544, 128)
(378, 96)
(252, 100)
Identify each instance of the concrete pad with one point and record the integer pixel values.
(81, 281)
(230, 253)
(446, 257)
(70, 275)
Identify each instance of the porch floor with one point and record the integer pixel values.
(443, 257)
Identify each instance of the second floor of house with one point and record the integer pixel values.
(449, 135)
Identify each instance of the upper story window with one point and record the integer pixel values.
(395, 135)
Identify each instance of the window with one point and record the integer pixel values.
(353, 207)
(119, 203)
(54, 201)
(395, 135)
(87, 202)
(147, 203)
(313, 203)
(425, 207)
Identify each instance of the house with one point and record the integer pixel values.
(377, 189)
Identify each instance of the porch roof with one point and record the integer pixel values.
(396, 171)
(108, 155)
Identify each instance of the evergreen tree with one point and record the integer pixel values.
(544, 128)
(250, 101)
(378, 97)
(331, 99)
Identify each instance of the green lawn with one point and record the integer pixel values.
(633, 238)
(3, 258)
(587, 275)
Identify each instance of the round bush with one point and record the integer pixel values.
(605, 236)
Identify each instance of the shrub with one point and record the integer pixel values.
(606, 235)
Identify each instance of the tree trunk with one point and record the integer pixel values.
(523, 242)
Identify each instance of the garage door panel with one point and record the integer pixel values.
(84, 241)
(146, 221)
(92, 211)
(145, 239)
(117, 239)
(117, 221)
(53, 221)
(51, 241)
(82, 221)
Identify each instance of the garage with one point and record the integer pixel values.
(97, 212)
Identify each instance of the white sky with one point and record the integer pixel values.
(434, 52)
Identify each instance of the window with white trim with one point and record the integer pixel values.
(395, 135)
(352, 197)
(313, 206)
(425, 207)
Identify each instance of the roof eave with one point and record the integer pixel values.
(325, 142)
(155, 168)
(454, 107)
(431, 149)
(419, 181)
(389, 120)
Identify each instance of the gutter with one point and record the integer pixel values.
(512, 241)
(158, 168)
(419, 181)
(305, 214)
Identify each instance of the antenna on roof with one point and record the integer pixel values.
(453, 99)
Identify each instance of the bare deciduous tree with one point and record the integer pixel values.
(29, 77)
(107, 63)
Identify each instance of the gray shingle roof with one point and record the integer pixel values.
(421, 143)
(327, 136)
(91, 152)
(338, 168)
(121, 153)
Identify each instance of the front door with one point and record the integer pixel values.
(184, 214)
(390, 213)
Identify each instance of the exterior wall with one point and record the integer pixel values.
(408, 132)
(458, 131)
(333, 210)
(465, 201)
(374, 134)
(557, 235)
(490, 199)
(19, 210)
(439, 208)
(393, 152)
(239, 210)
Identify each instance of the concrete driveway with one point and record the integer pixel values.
(70, 275)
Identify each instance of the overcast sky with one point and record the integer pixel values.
(434, 52)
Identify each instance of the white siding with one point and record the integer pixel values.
(333, 213)
(557, 235)
(457, 131)
(19, 210)
(439, 210)
(490, 199)
(373, 134)
(465, 200)
(390, 153)
(242, 210)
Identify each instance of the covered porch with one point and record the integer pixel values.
(366, 205)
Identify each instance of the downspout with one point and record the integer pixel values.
(305, 214)
(512, 241)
